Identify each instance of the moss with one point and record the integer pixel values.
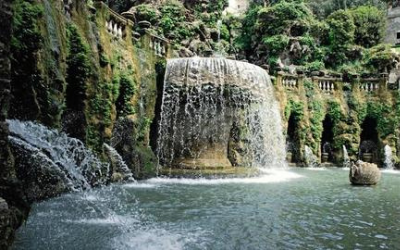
(125, 93)
(78, 69)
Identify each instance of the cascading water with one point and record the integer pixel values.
(388, 162)
(311, 159)
(346, 158)
(217, 113)
(81, 168)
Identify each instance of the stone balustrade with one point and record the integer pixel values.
(370, 85)
(116, 25)
(290, 82)
(159, 45)
(115, 29)
(326, 84)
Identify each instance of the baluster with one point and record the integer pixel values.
(110, 25)
(120, 32)
(320, 85)
(163, 51)
(376, 86)
(115, 31)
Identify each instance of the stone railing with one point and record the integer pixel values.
(116, 24)
(290, 81)
(326, 84)
(158, 44)
(370, 84)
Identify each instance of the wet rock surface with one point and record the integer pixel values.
(363, 173)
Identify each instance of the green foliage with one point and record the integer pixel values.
(341, 36)
(276, 44)
(78, 69)
(249, 35)
(334, 111)
(314, 66)
(323, 8)
(173, 21)
(370, 25)
(126, 91)
(380, 58)
(147, 12)
(283, 16)
(143, 128)
(26, 37)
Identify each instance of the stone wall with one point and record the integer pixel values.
(307, 101)
(393, 26)
(13, 208)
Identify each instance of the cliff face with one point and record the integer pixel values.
(81, 68)
(13, 208)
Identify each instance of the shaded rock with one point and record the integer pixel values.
(184, 52)
(363, 173)
(118, 169)
(139, 158)
(40, 177)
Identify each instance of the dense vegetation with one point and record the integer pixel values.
(347, 40)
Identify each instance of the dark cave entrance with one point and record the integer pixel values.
(73, 117)
(292, 140)
(327, 140)
(154, 127)
(369, 141)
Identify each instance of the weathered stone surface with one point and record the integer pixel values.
(139, 158)
(40, 177)
(363, 173)
(13, 207)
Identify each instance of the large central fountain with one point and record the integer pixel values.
(218, 113)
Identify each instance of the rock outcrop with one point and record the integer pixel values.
(13, 206)
(363, 173)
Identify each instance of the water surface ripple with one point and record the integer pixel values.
(296, 209)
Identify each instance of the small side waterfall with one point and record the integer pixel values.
(388, 162)
(217, 113)
(118, 165)
(80, 167)
(310, 158)
(346, 158)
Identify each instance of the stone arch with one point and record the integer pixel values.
(369, 140)
(327, 140)
(292, 139)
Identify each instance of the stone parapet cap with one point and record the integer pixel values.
(118, 17)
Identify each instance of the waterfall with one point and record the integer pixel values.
(80, 165)
(217, 112)
(388, 162)
(117, 163)
(310, 158)
(346, 158)
(219, 49)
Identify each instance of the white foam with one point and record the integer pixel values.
(317, 169)
(140, 185)
(390, 171)
(269, 176)
(110, 220)
(151, 239)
